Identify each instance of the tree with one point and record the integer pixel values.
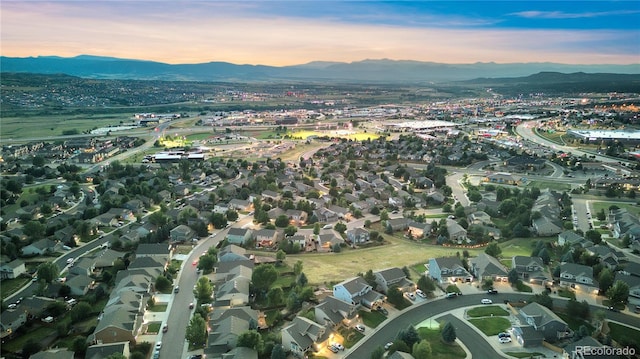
(340, 227)
(278, 352)
(421, 350)
(448, 333)
(250, 339)
(544, 299)
(203, 290)
(297, 267)
(232, 215)
(290, 230)
(30, 347)
(263, 277)
(426, 284)
(394, 296)
(377, 353)
(282, 221)
(513, 276)
(544, 255)
(34, 229)
(206, 262)
(577, 309)
(197, 331)
(605, 280)
(409, 335)
(593, 236)
(48, 271)
(275, 296)
(281, 256)
(370, 278)
(618, 294)
(493, 249)
(162, 283)
(218, 220)
(80, 311)
(302, 280)
(79, 344)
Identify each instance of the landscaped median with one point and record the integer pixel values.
(487, 311)
(489, 319)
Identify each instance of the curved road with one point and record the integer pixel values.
(418, 313)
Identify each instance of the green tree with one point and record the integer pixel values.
(48, 271)
(297, 267)
(78, 345)
(394, 296)
(275, 296)
(493, 249)
(544, 299)
(421, 350)
(282, 221)
(30, 347)
(281, 256)
(426, 284)
(197, 331)
(340, 227)
(251, 339)
(80, 312)
(290, 230)
(448, 333)
(162, 283)
(278, 352)
(605, 280)
(34, 229)
(513, 276)
(207, 262)
(593, 236)
(232, 215)
(618, 294)
(409, 335)
(203, 290)
(377, 353)
(263, 277)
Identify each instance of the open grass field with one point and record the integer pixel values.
(330, 268)
(596, 206)
(521, 246)
(557, 186)
(351, 135)
(55, 125)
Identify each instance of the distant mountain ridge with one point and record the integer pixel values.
(366, 71)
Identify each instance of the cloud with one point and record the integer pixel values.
(567, 15)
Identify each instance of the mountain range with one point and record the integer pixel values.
(366, 71)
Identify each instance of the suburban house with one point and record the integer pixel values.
(356, 291)
(393, 277)
(479, 217)
(239, 236)
(12, 269)
(634, 286)
(575, 350)
(448, 269)
(41, 247)
(418, 230)
(623, 222)
(549, 223)
(233, 292)
(296, 216)
(608, 256)
(358, 235)
(225, 328)
(265, 237)
(116, 326)
(11, 320)
(578, 276)
(544, 321)
(102, 351)
(303, 335)
(525, 163)
(485, 266)
(456, 232)
(333, 311)
(79, 284)
(57, 353)
(181, 234)
(530, 269)
(397, 224)
(570, 238)
(503, 178)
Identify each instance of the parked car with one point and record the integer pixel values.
(411, 296)
(388, 345)
(191, 305)
(492, 291)
(504, 335)
(13, 306)
(176, 289)
(165, 328)
(382, 310)
(339, 346)
(504, 340)
(420, 293)
(451, 295)
(333, 349)
(156, 354)
(486, 301)
(360, 328)
(158, 345)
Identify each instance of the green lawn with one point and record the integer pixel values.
(566, 293)
(439, 349)
(10, 286)
(15, 345)
(350, 335)
(284, 281)
(492, 310)
(558, 186)
(371, 318)
(158, 308)
(491, 326)
(154, 327)
(597, 206)
(625, 336)
(521, 246)
(524, 354)
(575, 323)
(521, 287)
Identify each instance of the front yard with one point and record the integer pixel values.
(491, 326)
(488, 311)
(371, 318)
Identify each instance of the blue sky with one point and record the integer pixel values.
(294, 32)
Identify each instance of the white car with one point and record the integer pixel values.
(411, 296)
(504, 340)
(360, 328)
(420, 293)
(486, 301)
(338, 346)
(70, 261)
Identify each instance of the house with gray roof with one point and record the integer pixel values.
(11, 320)
(41, 247)
(233, 292)
(578, 276)
(239, 236)
(530, 269)
(357, 291)
(181, 234)
(393, 277)
(485, 266)
(12, 269)
(302, 336)
(634, 285)
(578, 350)
(116, 326)
(544, 321)
(333, 311)
(358, 235)
(224, 333)
(57, 353)
(240, 353)
(448, 269)
(103, 351)
(570, 238)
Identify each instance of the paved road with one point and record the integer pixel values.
(466, 334)
(416, 314)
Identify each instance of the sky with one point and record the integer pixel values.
(280, 33)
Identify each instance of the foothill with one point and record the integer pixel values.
(151, 219)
